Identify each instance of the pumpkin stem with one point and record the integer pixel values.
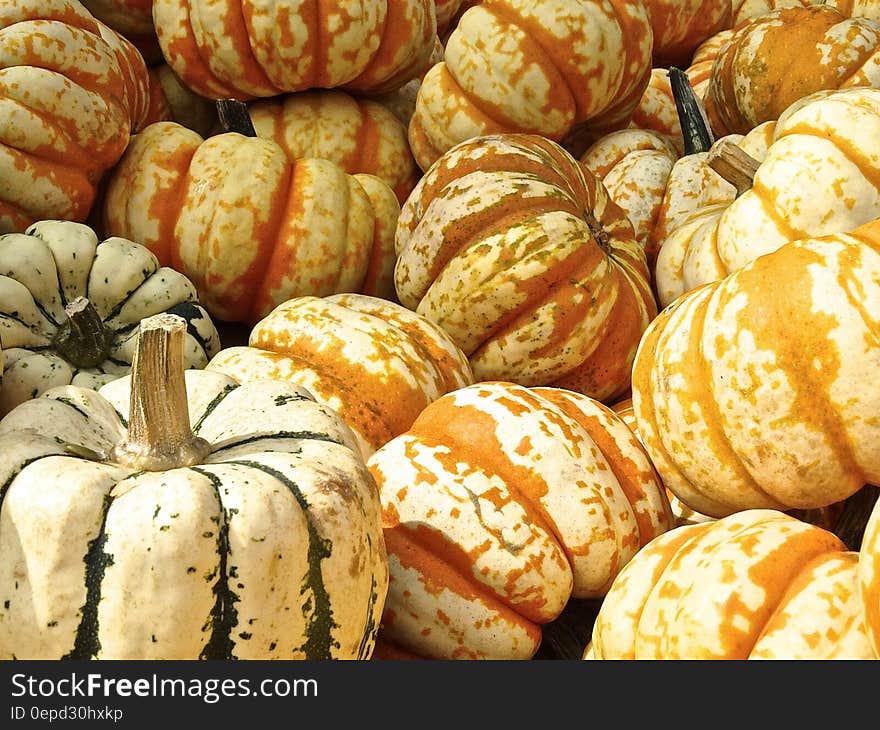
(83, 340)
(734, 164)
(599, 233)
(234, 117)
(159, 436)
(695, 129)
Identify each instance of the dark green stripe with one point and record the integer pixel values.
(224, 615)
(307, 435)
(190, 312)
(209, 409)
(87, 645)
(124, 300)
(368, 640)
(320, 624)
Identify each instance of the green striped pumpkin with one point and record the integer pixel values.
(259, 538)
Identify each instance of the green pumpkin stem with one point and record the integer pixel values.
(695, 128)
(159, 435)
(82, 339)
(234, 117)
(734, 164)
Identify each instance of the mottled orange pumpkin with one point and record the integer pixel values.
(71, 92)
(755, 391)
(501, 503)
(757, 584)
(132, 19)
(374, 362)
(358, 134)
(520, 255)
(226, 50)
(679, 26)
(540, 67)
(785, 55)
(248, 226)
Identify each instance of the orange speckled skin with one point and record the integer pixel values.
(253, 50)
(541, 67)
(494, 245)
(758, 584)
(500, 503)
(250, 227)
(869, 575)
(785, 55)
(71, 92)
(358, 134)
(374, 362)
(750, 392)
(679, 26)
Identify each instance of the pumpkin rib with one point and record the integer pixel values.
(72, 152)
(71, 184)
(252, 55)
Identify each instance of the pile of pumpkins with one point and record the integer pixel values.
(424, 323)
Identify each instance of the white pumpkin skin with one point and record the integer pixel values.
(54, 262)
(271, 548)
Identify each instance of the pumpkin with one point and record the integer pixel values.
(174, 102)
(132, 19)
(749, 392)
(634, 166)
(679, 26)
(780, 57)
(500, 503)
(544, 67)
(71, 92)
(70, 306)
(757, 584)
(359, 135)
(745, 10)
(374, 362)
(869, 576)
(519, 254)
(814, 178)
(248, 225)
(221, 51)
(179, 515)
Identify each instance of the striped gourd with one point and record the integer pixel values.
(520, 255)
(374, 362)
(500, 504)
(679, 26)
(758, 584)
(70, 305)
(179, 515)
(758, 390)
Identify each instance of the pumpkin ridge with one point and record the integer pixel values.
(293, 435)
(86, 644)
(224, 615)
(251, 59)
(320, 625)
(210, 407)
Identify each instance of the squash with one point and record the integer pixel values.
(358, 134)
(780, 57)
(749, 392)
(815, 177)
(374, 362)
(177, 515)
(71, 92)
(869, 575)
(545, 67)
(519, 254)
(757, 584)
(249, 226)
(680, 26)
(132, 19)
(221, 50)
(70, 306)
(500, 503)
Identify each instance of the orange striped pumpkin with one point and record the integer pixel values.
(539, 67)
(520, 255)
(248, 226)
(226, 50)
(500, 503)
(755, 391)
(71, 92)
(780, 57)
(679, 26)
(757, 584)
(358, 134)
(374, 362)
(132, 19)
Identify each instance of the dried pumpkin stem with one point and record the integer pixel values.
(734, 164)
(695, 129)
(599, 233)
(234, 117)
(159, 434)
(83, 340)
